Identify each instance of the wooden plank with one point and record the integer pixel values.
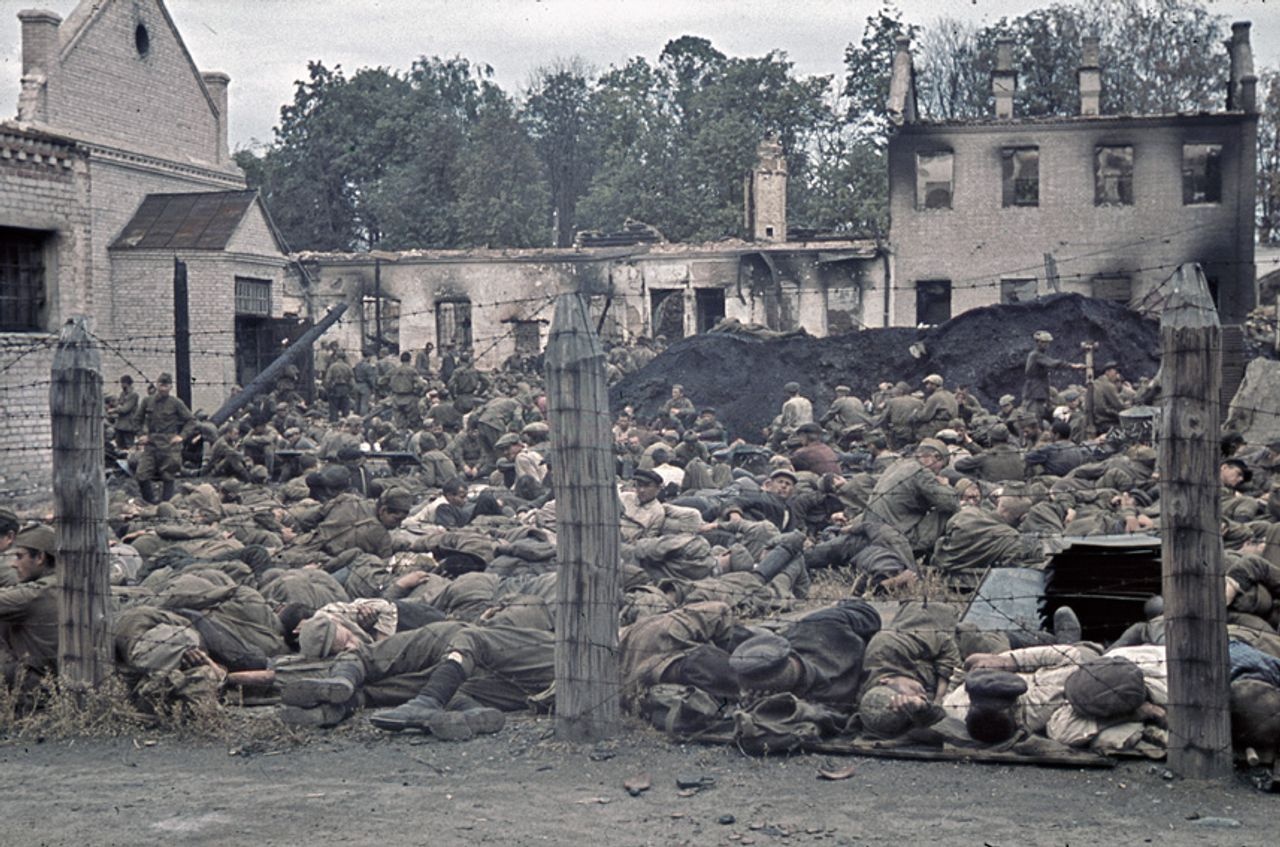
(893, 750)
(85, 655)
(1191, 555)
(589, 589)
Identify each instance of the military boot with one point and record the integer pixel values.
(166, 491)
(148, 489)
(338, 688)
(414, 714)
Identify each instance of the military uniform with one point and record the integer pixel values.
(339, 388)
(910, 499)
(405, 386)
(162, 419)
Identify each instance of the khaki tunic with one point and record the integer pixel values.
(29, 626)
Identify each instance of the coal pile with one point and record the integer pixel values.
(985, 349)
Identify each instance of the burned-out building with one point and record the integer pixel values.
(119, 200)
(1002, 209)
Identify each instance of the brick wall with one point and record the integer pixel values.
(104, 91)
(978, 242)
(25, 458)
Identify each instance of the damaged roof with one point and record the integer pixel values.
(196, 221)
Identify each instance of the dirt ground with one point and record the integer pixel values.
(357, 786)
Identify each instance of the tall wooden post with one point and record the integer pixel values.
(181, 333)
(582, 468)
(80, 509)
(1194, 590)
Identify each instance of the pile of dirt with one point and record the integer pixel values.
(985, 349)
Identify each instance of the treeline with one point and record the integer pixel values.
(439, 156)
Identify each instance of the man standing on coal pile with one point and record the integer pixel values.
(1035, 387)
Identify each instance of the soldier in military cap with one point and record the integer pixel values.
(29, 609)
(1035, 386)
(166, 421)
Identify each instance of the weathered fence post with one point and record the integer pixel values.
(80, 509)
(587, 683)
(1194, 589)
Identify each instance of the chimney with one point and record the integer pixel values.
(902, 87)
(1242, 85)
(39, 58)
(1004, 79)
(217, 82)
(767, 194)
(1090, 77)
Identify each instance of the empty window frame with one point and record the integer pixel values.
(934, 172)
(22, 280)
(1113, 287)
(933, 301)
(1113, 175)
(453, 324)
(528, 337)
(1018, 290)
(1201, 173)
(1020, 176)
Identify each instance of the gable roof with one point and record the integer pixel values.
(87, 12)
(196, 221)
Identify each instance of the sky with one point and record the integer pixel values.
(264, 45)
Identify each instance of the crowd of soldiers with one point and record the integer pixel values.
(391, 547)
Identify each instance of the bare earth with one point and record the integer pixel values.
(357, 786)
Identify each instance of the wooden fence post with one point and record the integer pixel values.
(1191, 540)
(80, 509)
(589, 586)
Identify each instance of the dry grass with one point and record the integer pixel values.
(53, 710)
(832, 584)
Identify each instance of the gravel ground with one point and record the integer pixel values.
(358, 786)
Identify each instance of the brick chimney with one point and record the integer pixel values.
(766, 195)
(1090, 76)
(39, 59)
(217, 82)
(1004, 79)
(1242, 85)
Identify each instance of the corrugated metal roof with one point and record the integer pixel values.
(199, 221)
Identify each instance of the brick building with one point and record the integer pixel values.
(115, 127)
(988, 211)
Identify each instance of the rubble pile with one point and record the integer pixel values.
(741, 375)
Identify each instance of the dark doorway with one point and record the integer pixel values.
(933, 301)
(710, 303)
(668, 312)
(260, 340)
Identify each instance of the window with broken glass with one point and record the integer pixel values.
(1201, 173)
(1020, 170)
(934, 179)
(1113, 175)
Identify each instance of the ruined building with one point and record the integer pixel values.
(1004, 209)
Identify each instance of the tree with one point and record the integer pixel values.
(868, 67)
(557, 114)
(501, 195)
(1269, 157)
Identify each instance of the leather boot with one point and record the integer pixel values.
(166, 491)
(148, 489)
(339, 687)
(414, 714)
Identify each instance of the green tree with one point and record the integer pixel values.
(557, 114)
(868, 67)
(498, 181)
(1269, 157)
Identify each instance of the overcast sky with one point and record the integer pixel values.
(265, 44)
